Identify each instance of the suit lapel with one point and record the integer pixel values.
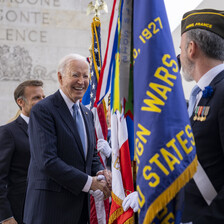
(66, 116)
(85, 115)
(205, 101)
(22, 124)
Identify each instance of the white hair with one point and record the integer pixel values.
(67, 59)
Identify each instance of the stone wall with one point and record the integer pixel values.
(34, 36)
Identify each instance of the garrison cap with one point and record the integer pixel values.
(208, 19)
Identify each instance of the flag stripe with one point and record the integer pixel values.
(122, 182)
(104, 81)
(99, 208)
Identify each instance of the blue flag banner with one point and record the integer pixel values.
(86, 97)
(164, 143)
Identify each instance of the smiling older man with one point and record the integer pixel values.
(64, 160)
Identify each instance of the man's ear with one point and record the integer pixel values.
(191, 50)
(20, 102)
(60, 77)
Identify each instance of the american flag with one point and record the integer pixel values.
(105, 77)
(96, 63)
(99, 209)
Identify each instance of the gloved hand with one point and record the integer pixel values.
(101, 177)
(131, 201)
(103, 147)
(97, 194)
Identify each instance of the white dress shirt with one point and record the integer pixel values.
(25, 118)
(206, 79)
(69, 104)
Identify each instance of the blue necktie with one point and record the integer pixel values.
(79, 124)
(192, 99)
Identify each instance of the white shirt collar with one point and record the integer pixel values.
(206, 79)
(25, 118)
(68, 102)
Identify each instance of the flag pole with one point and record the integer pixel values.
(99, 212)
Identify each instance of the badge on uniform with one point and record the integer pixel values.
(201, 113)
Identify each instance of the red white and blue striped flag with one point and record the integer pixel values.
(99, 209)
(112, 79)
(107, 68)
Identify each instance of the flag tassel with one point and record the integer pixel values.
(170, 192)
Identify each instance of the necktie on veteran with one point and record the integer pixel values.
(192, 99)
(79, 123)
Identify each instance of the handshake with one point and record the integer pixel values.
(102, 185)
(130, 201)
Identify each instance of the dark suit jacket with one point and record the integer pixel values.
(58, 170)
(14, 162)
(209, 138)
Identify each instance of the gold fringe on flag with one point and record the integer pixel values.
(119, 211)
(115, 215)
(170, 192)
(96, 23)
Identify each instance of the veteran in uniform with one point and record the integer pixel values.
(202, 56)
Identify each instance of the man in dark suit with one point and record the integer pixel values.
(15, 154)
(202, 56)
(64, 161)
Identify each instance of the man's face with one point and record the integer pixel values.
(187, 66)
(75, 81)
(32, 95)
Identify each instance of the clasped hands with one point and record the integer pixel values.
(102, 185)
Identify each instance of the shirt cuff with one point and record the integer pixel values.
(88, 184)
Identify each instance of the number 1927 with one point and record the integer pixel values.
(151, 30)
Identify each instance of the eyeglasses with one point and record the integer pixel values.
(178, 61)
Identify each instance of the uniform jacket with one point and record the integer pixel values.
(209, 138)
(14, 162)
(58, 170)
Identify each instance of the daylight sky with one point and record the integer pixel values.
(176, 8)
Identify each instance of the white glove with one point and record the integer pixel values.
(131, 201)
(97, 194)
(101, 177)
(103, 147)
